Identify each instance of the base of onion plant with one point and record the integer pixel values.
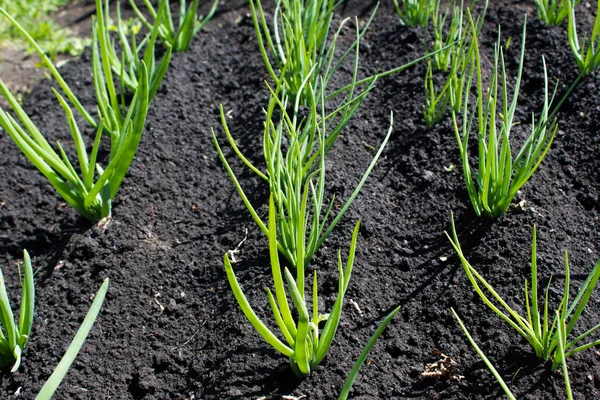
(498, 178)
(587, 54)
(178, 33)
(12, 345)
(63, 366)
(536, 327)
(365, 352)
(415, 12)
(91, 194)
(305, 344)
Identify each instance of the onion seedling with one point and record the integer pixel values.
(126, 66)
(365, 352)
(536, 327)
(295, 148)
(63, 366)
(443, 58)
(177, 35)
(13, 343)
(435, 103)
(499, 177)
(552, 12)
(298, 45)
(105, 66)
(415, 12)
(457, 55)
(91, 194)
(587, 54)
(494, 371)
(305, 344)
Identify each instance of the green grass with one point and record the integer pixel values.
(553, 12)
(34, 15)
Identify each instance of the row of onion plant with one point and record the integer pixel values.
(300, 129)
(84, 183)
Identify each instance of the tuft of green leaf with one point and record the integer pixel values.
(91, 192)
(295, 147)
(13, 343)
(499, 176)
(296, 50)
(176, 33)
(553, 12)
(537, 326)
(415, 12)
(305, 344)
(586, 52)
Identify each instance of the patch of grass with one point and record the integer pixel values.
(33, 15)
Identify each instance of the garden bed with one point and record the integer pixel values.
(170, 327)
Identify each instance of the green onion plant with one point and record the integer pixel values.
(537, 326)
(553, 12)
(415, 12)
(494, 184)
(296, 48)
(13, 336)
(295, 148)
(452, 59)
(490, 366)
(90, 193)
(63, 366)
(52, 68)
(176, 34)
(91, 188)
(436, 103)
(587, 53)
(126, 66)
(365, 352)
(304, 343)
(443, 58)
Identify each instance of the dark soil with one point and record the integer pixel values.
(170, 327)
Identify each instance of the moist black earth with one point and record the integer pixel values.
(170, 327)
